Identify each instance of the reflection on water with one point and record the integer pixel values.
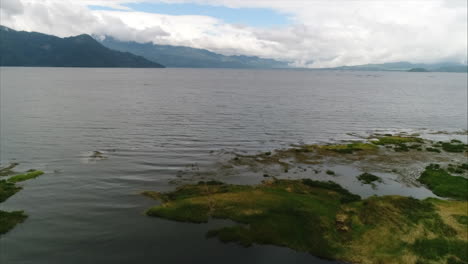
(153, 123)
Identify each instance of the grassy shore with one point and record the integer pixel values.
(324, 219)
(328, 221)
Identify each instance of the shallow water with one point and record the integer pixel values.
(153, 123)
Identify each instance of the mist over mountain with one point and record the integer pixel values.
(21, 48)
(186, 57)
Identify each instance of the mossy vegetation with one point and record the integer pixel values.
(462, 219)
(349, 148)
(396, 140)
(8, 188)
(8, 220)
(368, 178)
(324, 219)
(452, 146)
(26, 176)
(443, 184)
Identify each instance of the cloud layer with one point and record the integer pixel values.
(322, 33)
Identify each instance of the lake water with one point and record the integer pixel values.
(153, 123)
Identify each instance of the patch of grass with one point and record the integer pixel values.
(349, 148)
(330, 172)
(443, 183)
(453, 147)
(401, 148)
(438, 248)
(26, 176)
(395, 140)
(8, 220)
(462, 219)
(368, 178)
(7, 189)
(464, 166)
(456, 170)
(321, 218)
(329, 185)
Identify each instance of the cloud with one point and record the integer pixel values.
(10, 8)
(323, 33)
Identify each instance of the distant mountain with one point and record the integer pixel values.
(407, 66)
(418, 70)
(20, 48)
(179, 56)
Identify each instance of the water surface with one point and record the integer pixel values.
(153, 123)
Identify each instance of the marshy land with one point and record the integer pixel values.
(327, 220)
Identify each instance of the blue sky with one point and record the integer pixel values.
(256, 17)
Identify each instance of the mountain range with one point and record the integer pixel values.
(20, 48)
(186, 57)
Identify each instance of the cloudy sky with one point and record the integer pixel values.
(308, 33)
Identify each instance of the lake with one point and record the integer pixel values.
(153, 124)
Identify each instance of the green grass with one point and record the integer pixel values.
(401, 147)
(462, 219)
(8, 220)
(368, 178)
(443, 184)
(322, 218)
(438, 248)
(395, 140)
(330, 172)
(7, 189)
(26, 176)
(453, 147)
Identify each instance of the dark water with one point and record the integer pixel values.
(153, 123)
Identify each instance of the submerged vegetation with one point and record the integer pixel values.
(368, 178)
(454, 146)
(322, 218)
(8, 187)
(349, 148)
(396, 140)
(443, 183)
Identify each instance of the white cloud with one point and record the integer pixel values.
(324, 33)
